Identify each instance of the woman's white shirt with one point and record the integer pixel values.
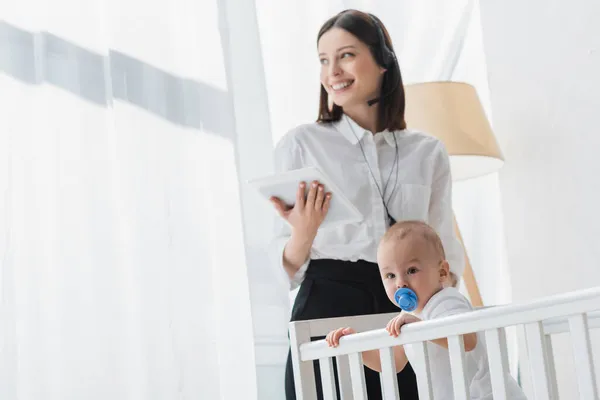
(420, 190)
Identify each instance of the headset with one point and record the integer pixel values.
(387, 59)
(387, 56)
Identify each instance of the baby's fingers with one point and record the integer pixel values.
(338, 334)
(389, 326)
(332, 338)
(349, 331)
(396, 324)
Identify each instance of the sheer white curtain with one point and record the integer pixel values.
(123, 270)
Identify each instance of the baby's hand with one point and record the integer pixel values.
(393, 327)
(333, 337)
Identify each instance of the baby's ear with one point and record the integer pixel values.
(445, 272)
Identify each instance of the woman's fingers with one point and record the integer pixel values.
(320, 198)
(280, 206)
(310, 208)
(300, 195)
(312, 195)
(326, 203)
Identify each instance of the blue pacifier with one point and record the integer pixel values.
(406, 299)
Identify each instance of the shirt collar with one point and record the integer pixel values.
(354, 132)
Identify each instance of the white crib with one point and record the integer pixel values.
(574, 312)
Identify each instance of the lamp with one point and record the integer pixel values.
(452, 112)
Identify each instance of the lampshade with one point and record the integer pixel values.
(452, 112)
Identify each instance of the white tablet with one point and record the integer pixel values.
(285, 185)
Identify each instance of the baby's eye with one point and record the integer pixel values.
(412, 271)
(389, 275)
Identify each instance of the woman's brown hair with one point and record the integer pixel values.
(368, 29)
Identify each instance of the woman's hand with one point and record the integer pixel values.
(306, 215)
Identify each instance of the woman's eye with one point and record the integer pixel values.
(323, 61)
(345, 55)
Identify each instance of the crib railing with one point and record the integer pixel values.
(574, 312)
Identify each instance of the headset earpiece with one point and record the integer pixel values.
(388, 58)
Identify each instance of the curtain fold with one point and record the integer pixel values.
(122, 249)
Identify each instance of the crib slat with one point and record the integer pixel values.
(582, 351)
(456, 347)
(550, 365)
(504, 345)
(357, 373)
(304, 372)
(343, 373)
(327, 378)
(497, 362)
(538, 360)
(389, 382)
(422, 371)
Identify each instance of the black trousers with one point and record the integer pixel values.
(334, 288)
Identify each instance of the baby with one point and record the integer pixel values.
(411, 255)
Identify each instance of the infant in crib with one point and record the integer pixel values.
(411, 255)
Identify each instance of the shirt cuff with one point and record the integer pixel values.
(299, 276)
(278, 247)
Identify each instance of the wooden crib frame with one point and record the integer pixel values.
(574, 312)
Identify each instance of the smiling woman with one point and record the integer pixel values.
(389, 173)
(357, 71)
(341, 66)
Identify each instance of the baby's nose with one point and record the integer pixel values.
(401, 284)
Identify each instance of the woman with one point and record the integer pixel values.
(389, 173)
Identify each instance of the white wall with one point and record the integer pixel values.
(543, 59)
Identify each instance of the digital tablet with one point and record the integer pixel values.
(285, 185)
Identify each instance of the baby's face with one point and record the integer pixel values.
(413, 263)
